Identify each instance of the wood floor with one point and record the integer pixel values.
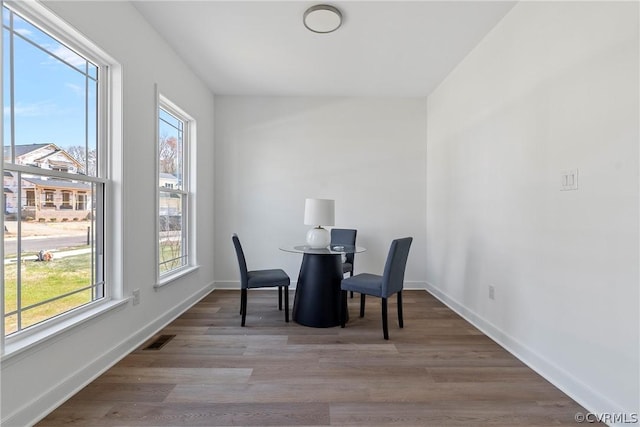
(437, 371)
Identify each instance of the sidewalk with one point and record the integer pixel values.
(56, 255)
(11, 239)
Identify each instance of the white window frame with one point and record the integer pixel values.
(187, 191)
(111, 172)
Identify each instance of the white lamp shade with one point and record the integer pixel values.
(319, 212)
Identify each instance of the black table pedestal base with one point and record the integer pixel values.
(317, 300)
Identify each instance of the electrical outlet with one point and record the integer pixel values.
(492, 292)
(136, 296)
(569, 180)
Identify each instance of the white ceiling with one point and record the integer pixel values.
(384, 48)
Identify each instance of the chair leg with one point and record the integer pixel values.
(362, 305)
(400, 321)
(343, 308)
(280, 298)
(351, 275)
(385, 325)
(286, 304)
(243, 305)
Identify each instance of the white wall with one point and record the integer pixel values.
(554, 86)
(36, 381)
(273, 152)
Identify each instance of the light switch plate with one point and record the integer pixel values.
(569, 180)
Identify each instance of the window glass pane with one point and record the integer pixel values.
(170, 149)
(6, 90)
(173, 191)
(56, 249)
(52, 263)
(85, 151)
(35, 314)
(171, 239)
(92, 70)
(10, 323)
(170, 119)
(92, 128)
(10, 262)
(48, 43)
(49, 93)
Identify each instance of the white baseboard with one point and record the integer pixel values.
(39, 407)
(589, 398)
(415, 286)
(235, 284)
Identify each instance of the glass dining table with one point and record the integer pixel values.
(317, 298)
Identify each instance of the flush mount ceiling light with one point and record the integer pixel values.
(322, 19)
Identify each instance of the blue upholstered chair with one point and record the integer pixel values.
(345, 236)
(391, 282)
(260, 279)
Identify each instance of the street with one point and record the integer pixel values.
(35, 244)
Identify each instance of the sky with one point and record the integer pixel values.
(51, 87)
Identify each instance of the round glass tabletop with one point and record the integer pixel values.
(329, 250)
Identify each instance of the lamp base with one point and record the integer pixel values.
(318, 238)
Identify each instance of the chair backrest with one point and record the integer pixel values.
(393, 276)
(242, 263)
(344, 236)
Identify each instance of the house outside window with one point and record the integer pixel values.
(81, 201)
(44, 281)
(59, 168)
(175, 134)
(49, 196)
(66, 200)
(31, 198)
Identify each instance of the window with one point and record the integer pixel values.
(60, 168)
(175, 132)
(66, 200)
(81, 201)
(57, 88)
(31, 198)
(48, 198)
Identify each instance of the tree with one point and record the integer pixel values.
(89, 162)
(168, 154)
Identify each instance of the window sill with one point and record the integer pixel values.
(20, 345)
(170, 278)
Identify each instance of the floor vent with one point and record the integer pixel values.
(159, 342)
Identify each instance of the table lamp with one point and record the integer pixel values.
(319, 212)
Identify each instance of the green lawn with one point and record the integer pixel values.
(170, 255)
(45, 280)
(42, 281)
